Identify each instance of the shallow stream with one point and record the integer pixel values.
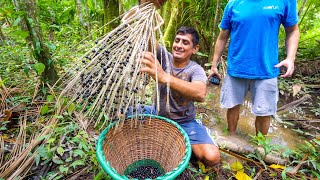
(214, 118)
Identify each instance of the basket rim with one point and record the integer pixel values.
(169, 175)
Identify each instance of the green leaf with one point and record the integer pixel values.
(38, 47)
(39, 67)
(57, 160)
(78, 152)
(90, 4)
(192, 169)
(43, 137)
(2, 82)
(63, 169)
(3, 128)
(71, 108)
(44, 110)
(37, 158)
(69, 159)
(59, 117)
(49, 62)
(202, 54)
(60, 150)
(283, 174)
(16, 22)
(54, 26)
(51, 140)
(26, 70)
(77, 163)
(30, 20)
(51, 46)
(43, 152)
(20, 33)
(83, 145)
(50, 98)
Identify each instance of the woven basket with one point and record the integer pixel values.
(154, 140)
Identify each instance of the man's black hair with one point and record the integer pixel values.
(189, 30)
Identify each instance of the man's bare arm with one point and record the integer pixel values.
(218, 50)
(292, 40)
(193, 90)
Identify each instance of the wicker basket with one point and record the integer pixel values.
(154, 140)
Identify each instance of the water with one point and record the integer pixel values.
(279, 133)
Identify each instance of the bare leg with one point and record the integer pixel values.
(232, 118)
(262, 124)
(209, 154)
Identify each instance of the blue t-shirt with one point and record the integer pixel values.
(254, 29)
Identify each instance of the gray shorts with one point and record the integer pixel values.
(264, 94)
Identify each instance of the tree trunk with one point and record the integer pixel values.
(2, 37)
(305, 12)
(79, 17)
(40, 50)
(22, 23)
(79, 11)
(215, 29)
(88, 24)
(302, 7)
(111, 11)
(168, 34)
(165, 12)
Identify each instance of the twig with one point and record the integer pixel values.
(78, 174)
(241, 157)
(303, 120)
(293, 104)
(295, 170)
(258, 174)
(259, 164)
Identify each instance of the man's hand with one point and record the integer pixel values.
(214, 72)
(289, 64)
(152, 66)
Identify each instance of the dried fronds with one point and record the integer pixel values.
(109, 81)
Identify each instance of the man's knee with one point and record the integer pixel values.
(207, 153)
(212, 157)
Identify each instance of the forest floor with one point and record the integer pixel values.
(242, 155)
(241, 147)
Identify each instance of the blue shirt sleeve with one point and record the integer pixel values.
(225, 21)
(290, 17)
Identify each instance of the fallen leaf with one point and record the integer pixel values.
(296, 88)
(206, 177)
(277, 166)
(203, 168)
(237, 166)
(6, 116)
(242, 176)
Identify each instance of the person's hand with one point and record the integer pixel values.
(214, 72)
(289, 64)
(152, 66)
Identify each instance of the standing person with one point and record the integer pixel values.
(187, 85)
(253, 65)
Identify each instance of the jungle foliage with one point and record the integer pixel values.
(40, 40)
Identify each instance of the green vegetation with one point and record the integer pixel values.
(41, 40)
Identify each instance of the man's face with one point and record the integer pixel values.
(182, 47)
